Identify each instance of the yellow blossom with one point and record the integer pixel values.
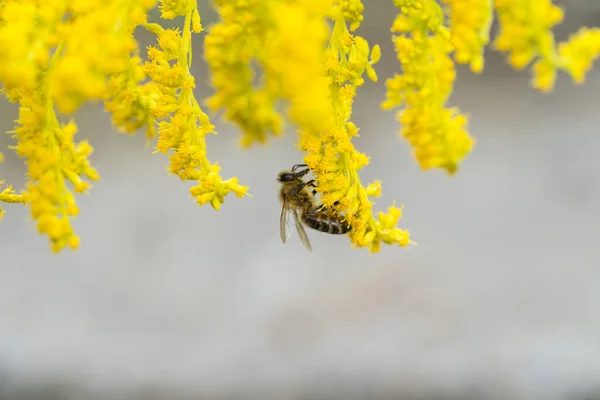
(526, 36)
(469, 23)
(47, 145)
(332, 156)
(352, 12)
(271, 63)
(579, 52)
(8, 195)
(183, 124)
(436, 133)
(263, 53)
(133, 103)
(82, 69)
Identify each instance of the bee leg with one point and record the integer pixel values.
(318, 209)
(323, 207)
(311, 183)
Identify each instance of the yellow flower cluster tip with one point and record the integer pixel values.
(183, 124)
(526, 36)
(272, 63)
(8, 195)
(424, 47)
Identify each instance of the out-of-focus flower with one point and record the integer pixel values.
(526, 36)
(267, 54)
(436, 133)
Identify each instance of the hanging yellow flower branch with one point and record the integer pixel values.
(272, 63)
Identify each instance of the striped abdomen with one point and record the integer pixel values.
(325, 222)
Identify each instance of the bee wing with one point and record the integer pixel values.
(301, 231)
(283, 222)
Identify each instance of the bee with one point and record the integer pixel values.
(298, 199)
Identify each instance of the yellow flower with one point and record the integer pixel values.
(332, 156)
(526, 35)
(61, 54)
(53, 158)
(272, 62)
(352, 12)
(183, 124)
(82, 70)
(134, 104)
(437, 134)
(579, 53)
(267, 53)
(8, 195)
(469, 23)
(23, 46)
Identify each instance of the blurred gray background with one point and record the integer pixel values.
(164, 299)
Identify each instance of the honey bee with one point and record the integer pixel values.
(298, 199)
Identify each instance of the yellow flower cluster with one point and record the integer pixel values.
(437, 135)
(58, 54)
(352, 12)
(272, 62)
(8, 195)
(30, 74)
(82, 69)
(183, 131)
(53, 160)
(469, 22)
(579, 53)
(526, 35)
(265, 52)
(331, 154)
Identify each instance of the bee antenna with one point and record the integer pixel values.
(295, 167)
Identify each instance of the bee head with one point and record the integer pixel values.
(286, 176)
